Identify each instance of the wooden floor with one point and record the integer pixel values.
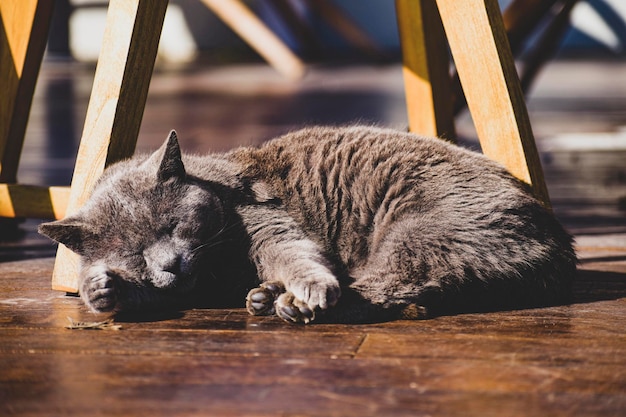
(556, 361)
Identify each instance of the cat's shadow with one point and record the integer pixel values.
(589, 286)
(593, 285)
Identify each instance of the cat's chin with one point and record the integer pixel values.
(165, 280)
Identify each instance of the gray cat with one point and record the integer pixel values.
(340, 224)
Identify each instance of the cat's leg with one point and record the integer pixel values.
(98, 288)
(105, 289)
(282, 252)
(454, 266)
(404, 276)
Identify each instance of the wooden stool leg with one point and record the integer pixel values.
(425, 69)
(23, 34)
(346, 27)
(252, 30)
(483, 58)
(115, 108)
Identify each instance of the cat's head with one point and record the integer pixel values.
(148, 220)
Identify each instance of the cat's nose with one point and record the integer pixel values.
(173, 265)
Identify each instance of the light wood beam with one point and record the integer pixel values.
(31, 201)
(425, 69)
(256, 34)
(483, 58)
(24, 28)
(116, 105)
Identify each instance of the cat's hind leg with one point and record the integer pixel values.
(405, 275)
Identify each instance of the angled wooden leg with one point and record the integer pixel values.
(485, 65)
(116, 105)
(252, 30)
(425, 68)
(23, 34)
(346, 27)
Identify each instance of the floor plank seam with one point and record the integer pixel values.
(361, 343)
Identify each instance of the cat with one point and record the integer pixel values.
(341, 224)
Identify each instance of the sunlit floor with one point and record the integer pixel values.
(567, 360)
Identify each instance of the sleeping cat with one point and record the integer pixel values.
(344, 224)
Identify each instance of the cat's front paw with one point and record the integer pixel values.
(98, 289)
(318, 292)
(291, 309)
(260, 301)
(306, 296)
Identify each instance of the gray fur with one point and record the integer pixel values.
(342, 224)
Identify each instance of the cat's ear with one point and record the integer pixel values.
(169, 159)
(73, 232)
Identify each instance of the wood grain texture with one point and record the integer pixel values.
(425, 69)
(23, 34)
(557, 361)
(252, 30)
(116, 106)
(483, 58)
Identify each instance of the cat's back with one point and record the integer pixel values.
(348, 184)
(373, 164)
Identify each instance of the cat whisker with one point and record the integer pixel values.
(209, 245)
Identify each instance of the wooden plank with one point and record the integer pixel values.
(557, 361)
(116, 106)
(254, 32)
(485, 65)
(30, 201)
(425, 69)
(23, 34)
(288, 386)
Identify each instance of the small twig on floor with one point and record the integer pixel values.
(92, 325)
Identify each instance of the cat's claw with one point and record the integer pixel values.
(260, 301)
(291, 309)
(99, 290)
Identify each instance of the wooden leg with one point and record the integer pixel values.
(306, 37)
(23, 34)
(547, 45)
(252, 30)
(425, 68)
(346, 27)
(116, 105)
(485, 65)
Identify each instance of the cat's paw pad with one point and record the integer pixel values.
(99, 289)
(260, 301)
(293, 310)
(318, 292)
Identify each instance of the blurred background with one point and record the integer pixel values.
(597, 27)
